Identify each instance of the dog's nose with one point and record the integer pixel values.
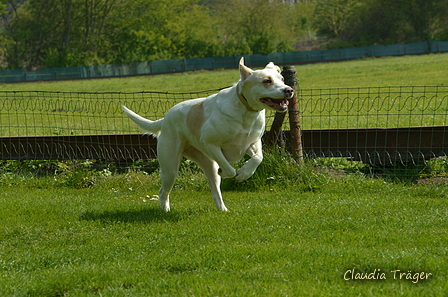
(289, 92)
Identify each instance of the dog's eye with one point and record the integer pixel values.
(267, 81)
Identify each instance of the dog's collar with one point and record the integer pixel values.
(244, 100)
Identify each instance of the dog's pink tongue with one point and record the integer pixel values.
(277, 104)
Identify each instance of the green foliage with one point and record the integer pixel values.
(349, 23)
(279, 170)
(72, 174)
(91, 32)
(254, 27)
(332, 17)
(407, 172)
(345, 164)
(79, 175)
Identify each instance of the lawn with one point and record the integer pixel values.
(291, 230)
(424, 70)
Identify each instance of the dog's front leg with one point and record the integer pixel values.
(225, 169)
(248, 169)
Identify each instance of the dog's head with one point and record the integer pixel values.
(264, 88)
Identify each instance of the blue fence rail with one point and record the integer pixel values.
(180, 65)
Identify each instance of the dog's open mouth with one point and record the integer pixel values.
(277, 104)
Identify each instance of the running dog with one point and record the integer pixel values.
(217, 130)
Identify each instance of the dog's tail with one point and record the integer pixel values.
(148, 126)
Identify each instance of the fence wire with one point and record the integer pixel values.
(374, 107)
(40, 113)
(400, 130)
(385, 126)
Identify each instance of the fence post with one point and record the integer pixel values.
(275, 136)
(290, 75)
(275, 133)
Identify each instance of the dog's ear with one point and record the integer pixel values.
(273, 66)
(245, 71)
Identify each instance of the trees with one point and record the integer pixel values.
(366, 22)
(426, 18)
(255, 26)
(54, 33)
(50, 33)
(23, 38)
(333, 16)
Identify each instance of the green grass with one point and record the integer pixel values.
(291, 230)
(424, 70)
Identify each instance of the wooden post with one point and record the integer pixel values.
(290, 75)
(275, 134)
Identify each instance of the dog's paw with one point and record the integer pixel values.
(165, 205)
(243, 174)
(228, 174)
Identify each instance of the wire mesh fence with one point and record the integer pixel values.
(374, 107)
(80, 125)
(386, 127)
(380, 126)
(38, 113)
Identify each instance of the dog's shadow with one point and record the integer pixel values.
(145, 216)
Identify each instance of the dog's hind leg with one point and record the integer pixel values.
(210, 169)
(169, 155)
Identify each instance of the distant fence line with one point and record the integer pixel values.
(384, 126)
(180, 65)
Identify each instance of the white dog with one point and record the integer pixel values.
(217, 130)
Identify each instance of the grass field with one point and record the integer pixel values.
(425, 70)
(311, 230)
(300, 232)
